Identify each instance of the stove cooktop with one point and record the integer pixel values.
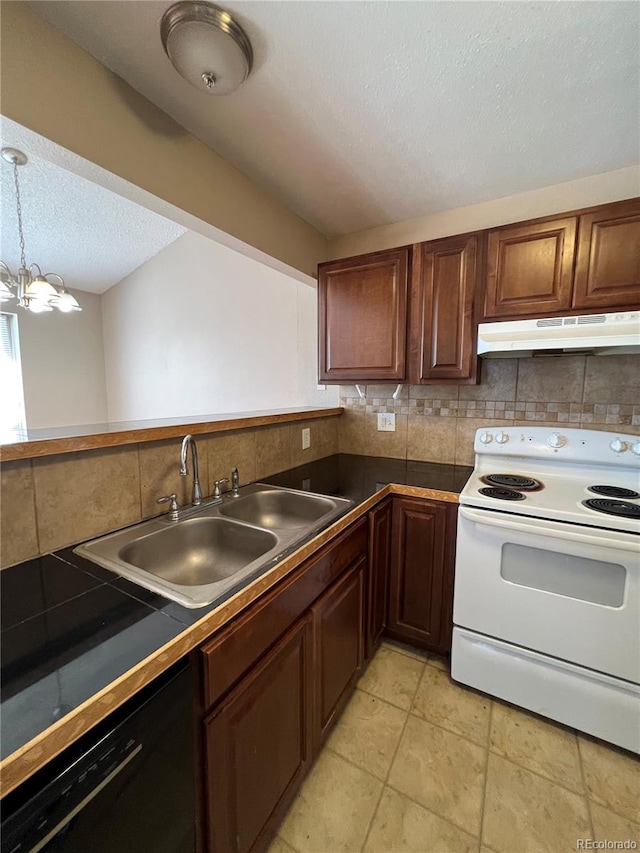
(581, 476)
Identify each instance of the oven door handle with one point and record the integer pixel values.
(557, 530)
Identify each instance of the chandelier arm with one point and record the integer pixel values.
(8, 272)
(54, 275)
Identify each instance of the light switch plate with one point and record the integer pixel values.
(386, 422)
(306, 438)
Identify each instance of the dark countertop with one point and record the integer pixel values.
(70, 628)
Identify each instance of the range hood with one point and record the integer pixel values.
(597, 334)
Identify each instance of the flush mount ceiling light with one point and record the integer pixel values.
(207, 46)
(30, 286)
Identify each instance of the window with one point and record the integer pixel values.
(12, 419)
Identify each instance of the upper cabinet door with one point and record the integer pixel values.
(442, 302)
(608, 267)
(530, 269)
(362, 316)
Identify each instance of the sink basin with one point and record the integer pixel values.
(278, 509)
(215, 549)
(198, 551)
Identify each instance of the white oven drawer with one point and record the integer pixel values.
(589, 701)
(567, 591)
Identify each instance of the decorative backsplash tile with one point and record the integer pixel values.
(453, 401)
(592, 392)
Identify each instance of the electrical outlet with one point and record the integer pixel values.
(306, 438)
(321, 387)
(306, 484)
(386, 422)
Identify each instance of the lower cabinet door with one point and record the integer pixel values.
(338, 622)
(259, 746)
(378, 574)
(421, 580)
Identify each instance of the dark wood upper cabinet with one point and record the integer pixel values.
(529, 269)
(378, 574)
(422, 566)
(373, 328)
(362, 317)
(442, 336)
(608, 263)
(338, 620)
(259, 744)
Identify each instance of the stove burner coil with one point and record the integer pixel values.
(623, 509)
(503, 494)
(513, 481)
(613, 492)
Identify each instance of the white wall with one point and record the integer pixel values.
(62, 357)
(201, 329)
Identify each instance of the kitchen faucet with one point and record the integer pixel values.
(197, 491)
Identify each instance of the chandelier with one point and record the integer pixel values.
(30, 286)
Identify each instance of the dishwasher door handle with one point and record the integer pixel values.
(85, 802)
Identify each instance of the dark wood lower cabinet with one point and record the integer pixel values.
(259, 745)
(272, 691)
(276, 679)
(378, 574)
(422, 566)
(338, 620)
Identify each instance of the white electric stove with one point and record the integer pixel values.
(547, 588)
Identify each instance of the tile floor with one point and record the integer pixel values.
(419, 764)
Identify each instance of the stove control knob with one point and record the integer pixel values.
(502, 438)
(635, 448)
(618, 446)
(486, 438)
(556, 440)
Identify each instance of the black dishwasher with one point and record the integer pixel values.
(127, 786)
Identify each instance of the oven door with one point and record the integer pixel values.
(564, 590)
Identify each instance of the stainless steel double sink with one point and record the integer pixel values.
(199, 559)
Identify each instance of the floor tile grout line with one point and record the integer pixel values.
(393, 758)
(445, 729)
(491, 700)
(607, 808)
(422, 806)
(586, 787)
(375, 696)
(539, 775)
(414, 656)
(486, 774)
(511, 760)
(350, 761)
(280, 838)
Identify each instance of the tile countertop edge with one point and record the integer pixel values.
(31, 757)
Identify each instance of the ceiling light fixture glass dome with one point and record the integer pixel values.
(207, 46)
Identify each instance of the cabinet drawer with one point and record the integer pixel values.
(230, 653)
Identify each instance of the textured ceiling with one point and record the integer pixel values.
(90, 236)
(362, 113)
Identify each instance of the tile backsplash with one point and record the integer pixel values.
(438, 422)
(49, 502)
